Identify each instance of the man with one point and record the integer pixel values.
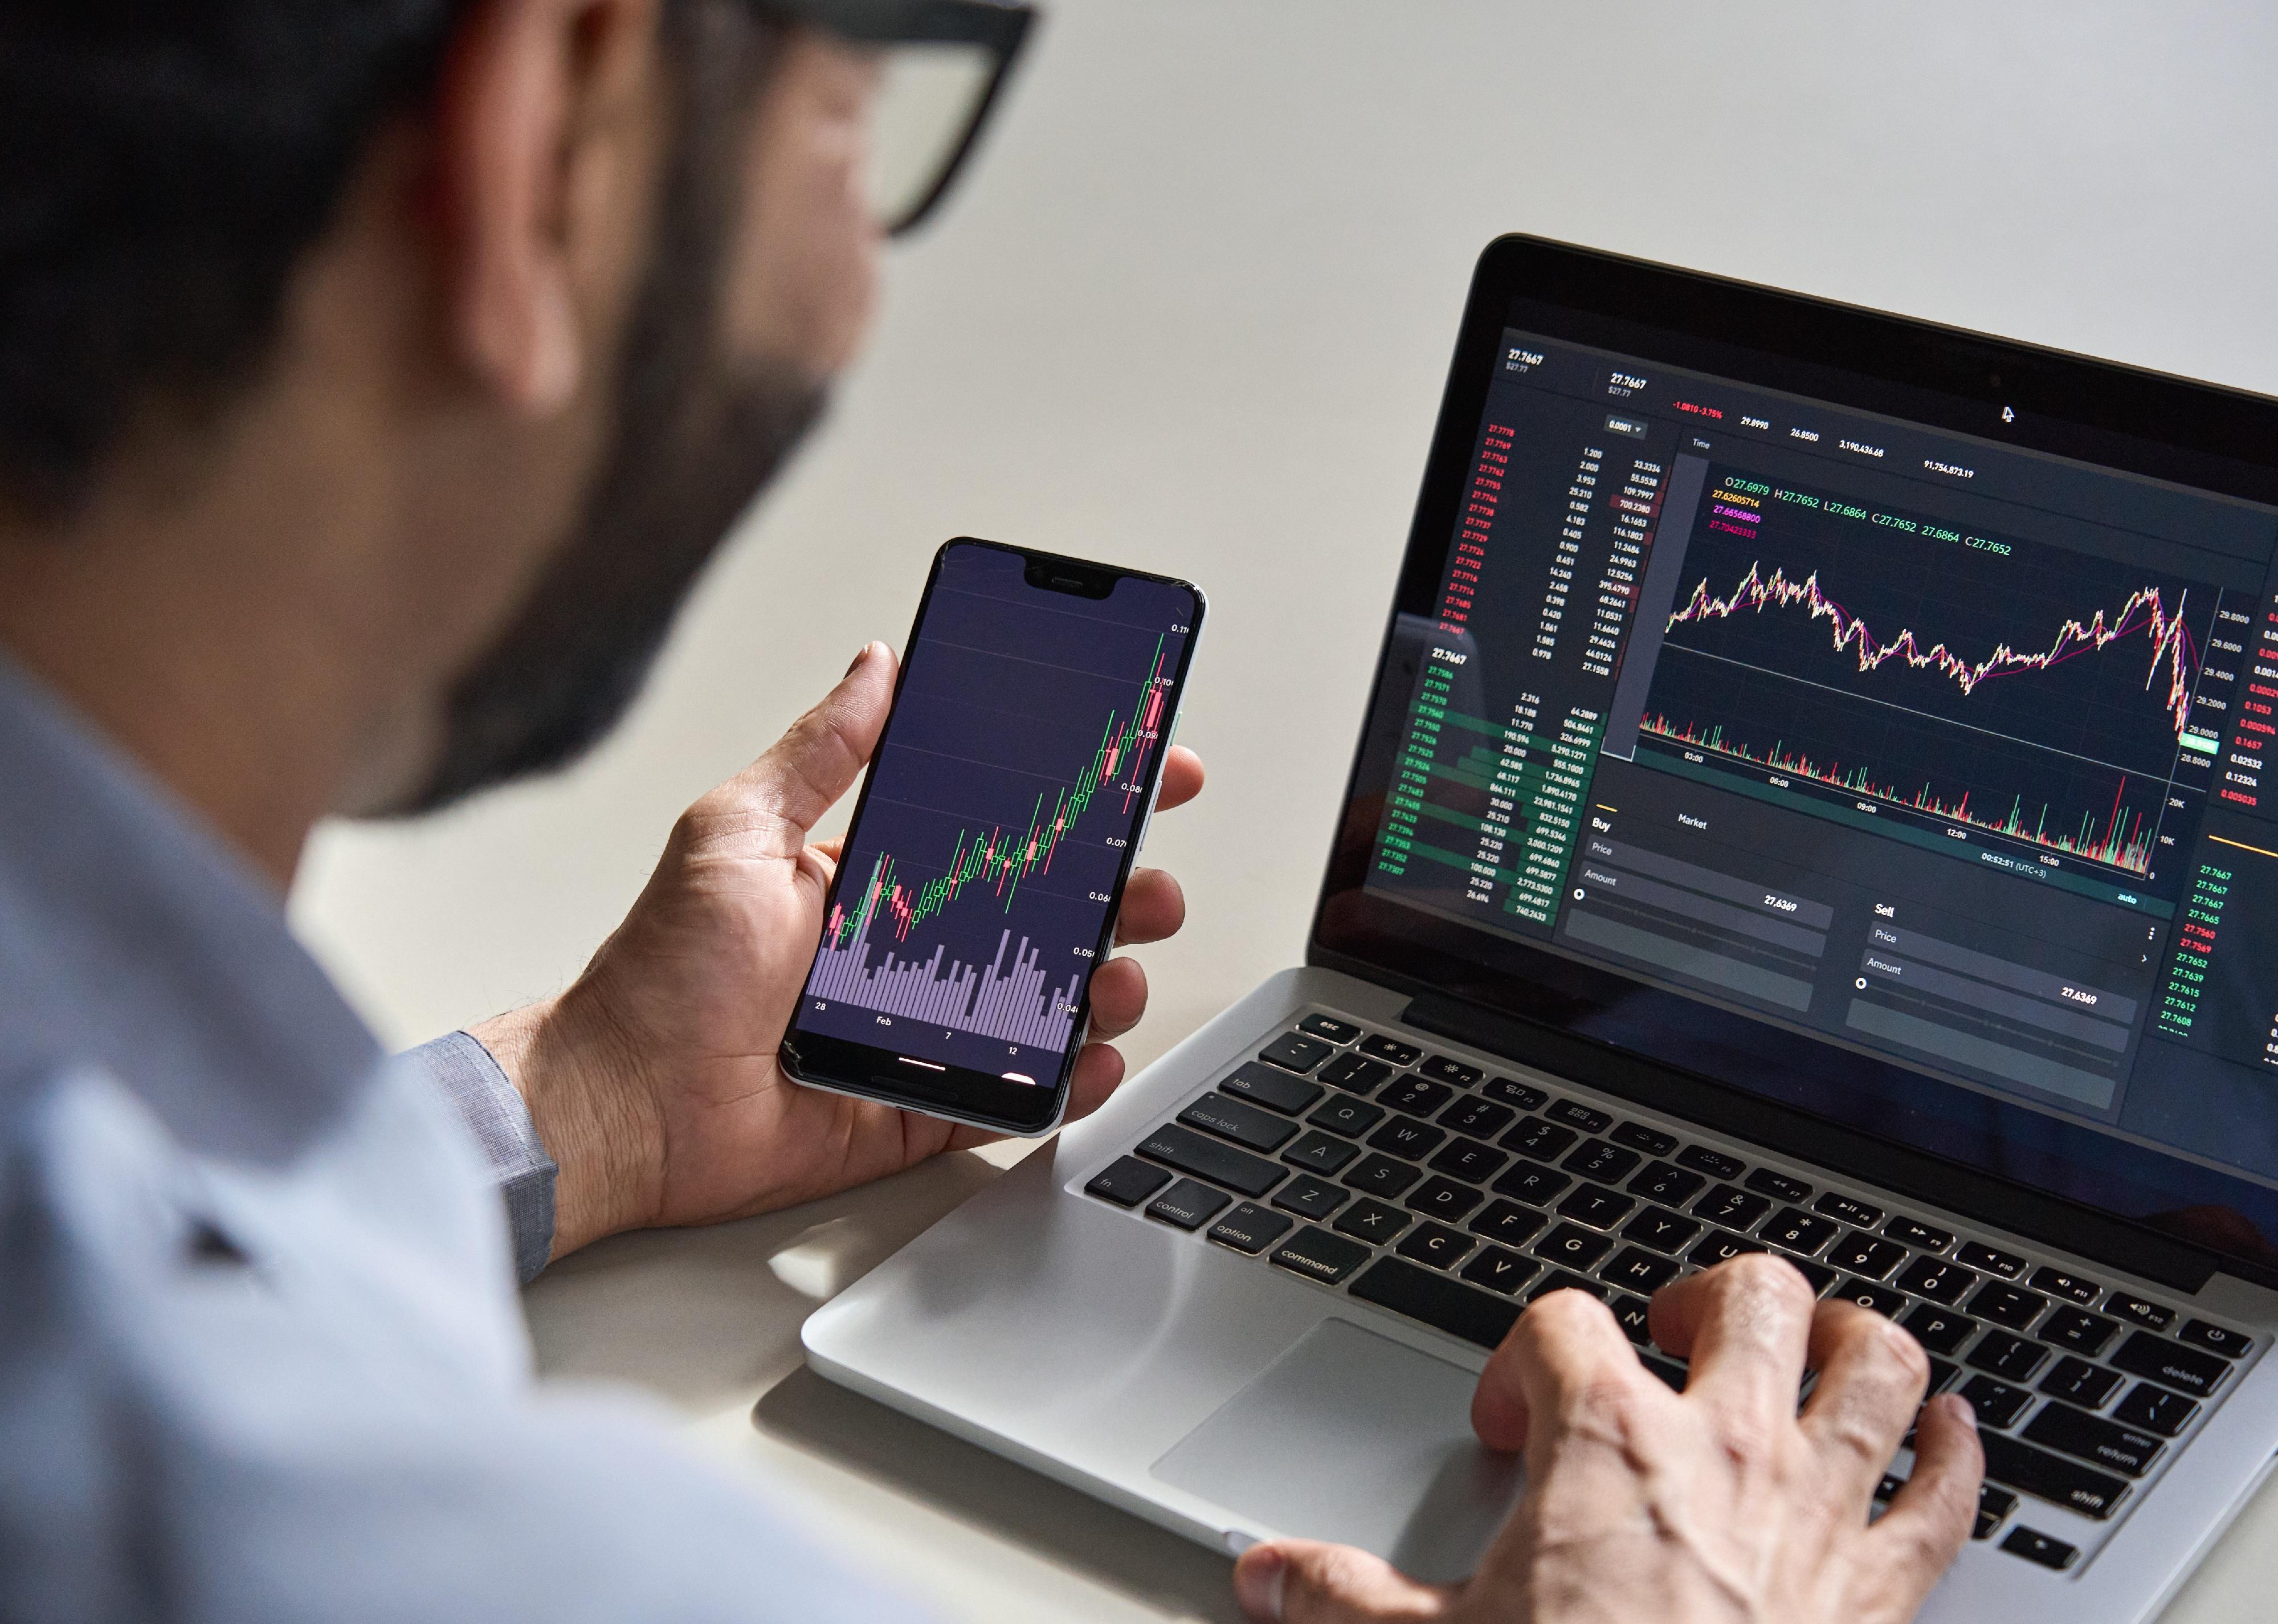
(375, 376)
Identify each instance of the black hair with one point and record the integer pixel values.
(164, 166)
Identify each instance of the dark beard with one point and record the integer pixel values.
(696, 441)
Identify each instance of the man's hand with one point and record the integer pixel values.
(653, 1081)
(1721, 1505)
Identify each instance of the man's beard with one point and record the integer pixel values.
(696, 439)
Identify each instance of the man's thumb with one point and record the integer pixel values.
(810, 767)
(1304, 1581)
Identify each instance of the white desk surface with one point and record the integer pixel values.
(1191, 310)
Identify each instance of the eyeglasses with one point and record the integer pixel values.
(942, 65)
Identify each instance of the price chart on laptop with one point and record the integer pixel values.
(1008, 789)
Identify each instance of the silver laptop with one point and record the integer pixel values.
(1810, 802)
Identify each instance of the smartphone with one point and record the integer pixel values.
(996, 832)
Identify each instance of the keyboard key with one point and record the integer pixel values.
(2056, 1283)
(1440, 1069)
(1734, 1209)
(1536, 1186)
(1187, 1204)
(1512, 1225)
(1561, 1280)
(1319, 1255)
(1607, 1163)
(1404, 1136)
(1670, 1186)
(1570, 1246)
(1381, 1176)
(1633, 1314)
(1912, 1232)
(1437, 1246)
(2093, 1439)
(1536, 1138)
(1127, 1182)
(1721, 1247)
(1779, 1186)
(2008, 1265)
(1415, 1095)
(1993, 1499)
(1445, 1198)
(1500, 1270)
(1661, 1229)
(2216, 1338)
(2007, 1304)
(2013, 1358)
(1321, 1153)
(1519, 1096)
(1348, 1116)
(1481, 1119)
(2135, 1311)
(1468, 1160)
(1938, 1280)
(1667, 1369)
(1715, 1164)
(1574, 1114)
(1887, 1490)
(1940, 1374)
(1276, 1090)
(1245, 1124)
(1373, 1222)
(2038, 1547)
(1867, 1294)
(2078, 1329)
(1941, 1331)
(1188, 1152)
(1309, 1196)
(1996, 1402)
(1600, 1209)
(1329, 1029)
(1390, 1050)
(2075, 1380)
(1796, 1230)
(1985, 1526)
(1355, 1073)
(1866, 1257)
(1438, 1301)
(2187, 1370)
(1296, 1051)
(1249, 1228)
(1638, 1137)
(1640, 1271)
(1818, 1276)
(2155, 1409)
(1848, 1209)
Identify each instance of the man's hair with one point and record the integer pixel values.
(164, 165)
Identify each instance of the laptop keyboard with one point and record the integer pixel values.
(1426, 1187)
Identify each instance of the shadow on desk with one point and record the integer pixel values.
(966, 1482)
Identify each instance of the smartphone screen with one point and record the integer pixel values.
(979, 881)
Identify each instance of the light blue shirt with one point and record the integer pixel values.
(260, 1353)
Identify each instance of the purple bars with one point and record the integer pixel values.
(1010, 1003)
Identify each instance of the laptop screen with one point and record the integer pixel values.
(1771, 723)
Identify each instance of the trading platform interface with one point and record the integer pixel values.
(1943, 751)
(1012, 779)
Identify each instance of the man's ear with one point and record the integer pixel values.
(546, 124)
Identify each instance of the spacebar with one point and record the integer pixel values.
(1436, 1300)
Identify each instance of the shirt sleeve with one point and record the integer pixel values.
(493, 1110)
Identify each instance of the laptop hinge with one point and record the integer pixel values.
(2080, 1230)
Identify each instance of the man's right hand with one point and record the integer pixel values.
(1718, 1505)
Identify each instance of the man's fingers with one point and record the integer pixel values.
(1566, 1349)
(1182, 779)
(1304, 1581)
(788, 790)
(1745, 1325)
(1929, 1520)
(1871, 1376)
(1118, 997)
(1153, 907)
(1098, 1072)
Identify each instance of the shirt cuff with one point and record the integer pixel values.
(493, 1109)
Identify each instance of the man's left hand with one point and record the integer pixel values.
(653, 1081)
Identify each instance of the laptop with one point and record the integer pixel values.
(1811, 802)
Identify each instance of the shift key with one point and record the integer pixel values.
(1191, 1153)
(2052, 1477)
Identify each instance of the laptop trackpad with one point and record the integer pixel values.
(1354, 1437)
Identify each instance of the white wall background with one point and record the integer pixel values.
(1192, 311)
